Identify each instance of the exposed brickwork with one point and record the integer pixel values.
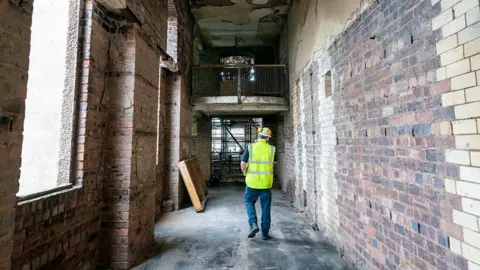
(179, 112)
(202, 144)
(162, 133)
(62, 229)
(130, 175)
(152, 15)
(14, 53)
(369, 161)
(459, 65)
(172, 34)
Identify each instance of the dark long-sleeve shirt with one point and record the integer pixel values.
(245, 155)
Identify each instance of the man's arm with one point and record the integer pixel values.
(244, 161)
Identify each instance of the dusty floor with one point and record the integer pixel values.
(217, 239)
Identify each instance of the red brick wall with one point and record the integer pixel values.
(372, 155)
(62, 229)
(161, 155)
(179, 112)
(14, 54)
(104, 215)
(153, 16)
(142, 192)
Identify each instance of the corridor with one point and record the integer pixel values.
(217, 239)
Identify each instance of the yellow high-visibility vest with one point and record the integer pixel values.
(260, 165)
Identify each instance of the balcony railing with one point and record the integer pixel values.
(255, 80)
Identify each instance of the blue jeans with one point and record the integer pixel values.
(251, 196)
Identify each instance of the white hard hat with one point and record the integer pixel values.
(265, 132)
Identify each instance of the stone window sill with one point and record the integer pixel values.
(47, 193)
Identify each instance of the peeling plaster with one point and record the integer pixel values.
(241, 24)
(314, 25)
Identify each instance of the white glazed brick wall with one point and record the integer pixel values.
(459, 52)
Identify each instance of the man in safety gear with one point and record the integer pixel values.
(257, 166)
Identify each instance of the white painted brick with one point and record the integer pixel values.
(475, 61)
(447, 44)
(388, 111)
(471, 206)
(473, 266)
(473, 94)
(470, 174)
(453, 98)
(472, 47)
(467, 142)
(478, 125)
(458, 157)
(442, 19)
(473, 16)
(455, 246)
(464, 81)
(471, 237)
(471, 253)
(465, 220)
(451, 56)
(478, 77)
(446, 128)
(441, 74)
(468, 126)
(475, 158)
(446, 4)
(454, 26)
(466, 189)
(464, 6)
(468, 110)
(470, 33)
(458, 68)
(450, 186)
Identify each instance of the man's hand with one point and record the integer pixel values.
(243, 166)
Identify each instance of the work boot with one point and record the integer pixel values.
(266, 236)
(253, 230)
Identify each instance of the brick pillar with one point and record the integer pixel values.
(172, 143)
(14, 56)
(161, 139)
(178, 128)
(130, 157)
(202, 144)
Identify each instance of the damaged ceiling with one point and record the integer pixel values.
(240, 23)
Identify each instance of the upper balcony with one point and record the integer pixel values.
(240, 89)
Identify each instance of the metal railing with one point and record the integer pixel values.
(252, 80)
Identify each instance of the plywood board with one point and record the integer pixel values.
(194, 186)
(201, 179)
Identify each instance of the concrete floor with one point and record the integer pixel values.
(217, 239)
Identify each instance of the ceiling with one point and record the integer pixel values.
(239, 23)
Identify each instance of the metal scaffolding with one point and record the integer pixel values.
(229, 137)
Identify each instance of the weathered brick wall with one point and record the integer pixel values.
(130, 178)
(459, 52)
(153, 17)
(172, 34)
(119, 152)
(14, 53)
(179, 112)
(202, 144)
(142, 205)
(174, 187)
(62, 229)
(372, 158)
(108, 217)
(162, 133)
